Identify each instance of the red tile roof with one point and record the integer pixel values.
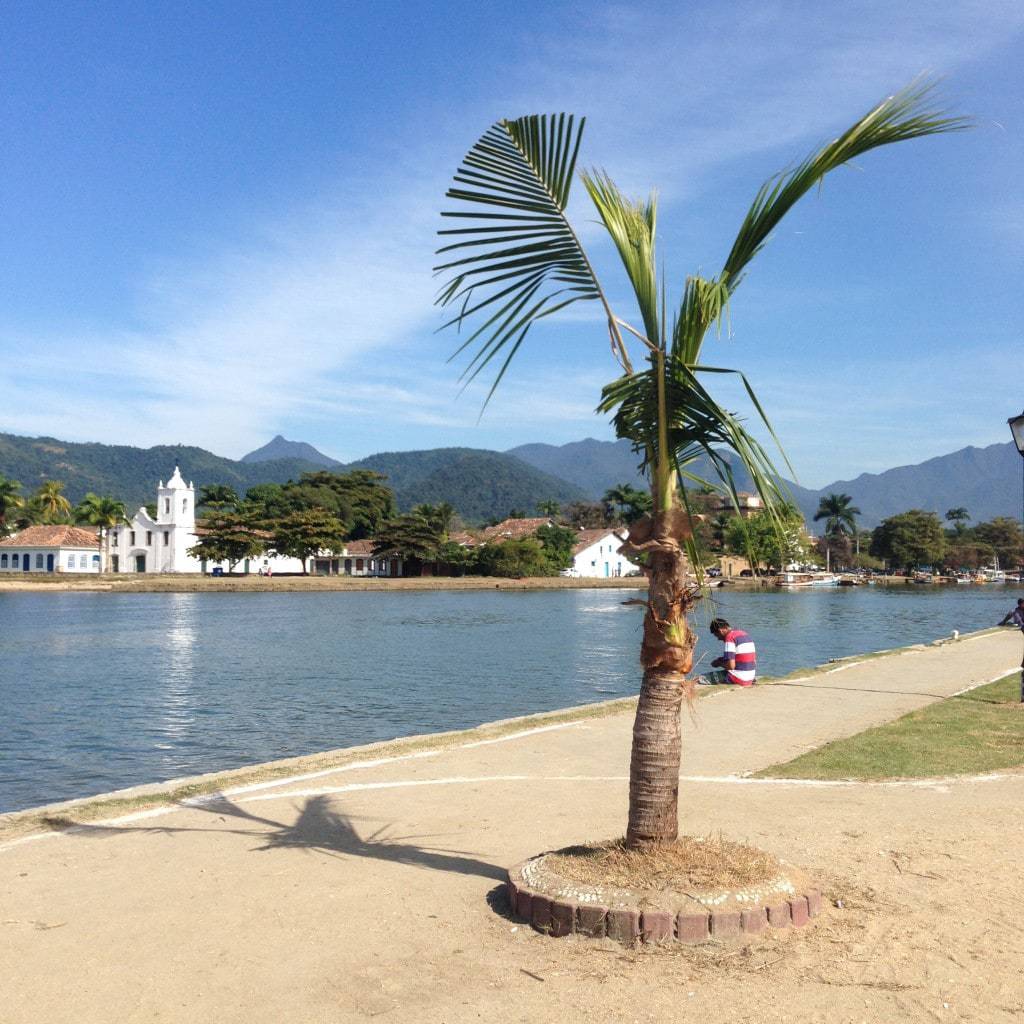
(514, 529)
(52, 537)
(359, 547)
(588, 537)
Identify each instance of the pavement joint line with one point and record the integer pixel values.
(356, 765)
(207, 798)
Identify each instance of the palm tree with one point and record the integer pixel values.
(549, 507)
(958, 517)
(105, 514)
(10, 499)
(513, 258)
(51, 503)
(840, 520)
(630, 503)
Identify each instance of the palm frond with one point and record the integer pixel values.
(905, 115)
(519, 259)
(632, 226)
(697, 426)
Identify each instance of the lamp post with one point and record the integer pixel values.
(1017, 429)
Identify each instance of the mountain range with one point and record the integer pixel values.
(484, 484)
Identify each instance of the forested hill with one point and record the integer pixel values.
(479, 484)
(130, 474)
(985, 481)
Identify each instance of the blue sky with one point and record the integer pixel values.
(218, 219)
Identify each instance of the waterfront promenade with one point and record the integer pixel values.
(370, 891)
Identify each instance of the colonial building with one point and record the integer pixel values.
(50, 549)
(161, 544)
(597, 553)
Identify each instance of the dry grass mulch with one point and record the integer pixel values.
(691, 863)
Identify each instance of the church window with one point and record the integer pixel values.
(167, 537)
(39, 561)
(113, 537)
(149, 538)
(184, 504)
(131, 537)
(167, 505)
(3, 561)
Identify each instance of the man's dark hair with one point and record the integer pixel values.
(717, 625)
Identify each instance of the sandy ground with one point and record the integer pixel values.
(372, 891)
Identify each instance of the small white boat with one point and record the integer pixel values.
(806, 579)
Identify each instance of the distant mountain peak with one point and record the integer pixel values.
(281, 448)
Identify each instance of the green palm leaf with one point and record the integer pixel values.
(518, 260)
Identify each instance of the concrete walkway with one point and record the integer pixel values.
(371, 891)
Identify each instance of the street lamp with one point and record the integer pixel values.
(1017, 429)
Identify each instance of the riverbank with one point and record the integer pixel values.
(188, 583)
(195, 583)
(372, 890)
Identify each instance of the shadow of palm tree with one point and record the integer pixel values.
(318, 828)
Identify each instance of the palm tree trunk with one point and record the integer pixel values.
(666, 656)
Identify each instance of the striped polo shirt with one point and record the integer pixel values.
(740, 648)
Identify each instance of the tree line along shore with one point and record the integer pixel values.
(323, 510)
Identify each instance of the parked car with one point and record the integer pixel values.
(714, 572)
(216, 571)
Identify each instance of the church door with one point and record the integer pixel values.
(49, 563)
(140, 563)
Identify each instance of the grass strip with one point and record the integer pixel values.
(979, 731)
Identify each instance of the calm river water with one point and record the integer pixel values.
(103, 691)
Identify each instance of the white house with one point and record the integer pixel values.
(50, 549)
(596, 553)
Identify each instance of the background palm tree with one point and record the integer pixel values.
(549, 507)
(840, 520)
(629, 502)
(10, 500)
(105, 514)
(514, 258)
(50, 502)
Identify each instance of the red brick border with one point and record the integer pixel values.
(559, 917)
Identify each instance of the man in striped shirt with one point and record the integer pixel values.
(738, 663)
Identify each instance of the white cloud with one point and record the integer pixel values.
(312, 316)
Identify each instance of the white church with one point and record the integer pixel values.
(162, 544)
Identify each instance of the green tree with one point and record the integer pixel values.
(629, 502)
(439, 516)
(229, 536)
(10, 501)
(105, 513)
(513, 258)
(359, 498)
(412, 538)
(840, 517)
(587, 515)
(269, 500)
(768, 540)
(301, 534)
(515, 559)
(909, 540)
(217, 497)
(958, 517)
(1003, 535)
(51, 504)
(550, 507)
(557, 543)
